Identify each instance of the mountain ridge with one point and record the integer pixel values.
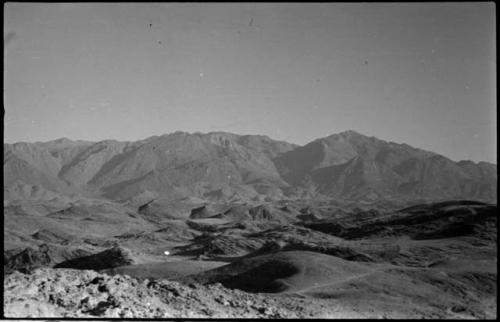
(345, 165)
(66, 139)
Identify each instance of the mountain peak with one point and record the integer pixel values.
(346, 134)
(62, 140)
(350, 133)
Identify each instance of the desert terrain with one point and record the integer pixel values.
(225, 226)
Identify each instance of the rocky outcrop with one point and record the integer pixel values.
(70, 293)
(114, 257)
(27, 260)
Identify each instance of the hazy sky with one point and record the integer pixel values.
(418, 73)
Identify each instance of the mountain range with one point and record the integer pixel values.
(226, 166)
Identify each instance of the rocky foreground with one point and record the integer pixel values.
(371, 292)
(76, 293)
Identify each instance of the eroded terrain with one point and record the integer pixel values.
(301, 258)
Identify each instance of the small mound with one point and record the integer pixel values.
(200, 212)
(268, 213)
(235, 213)
(270, 246)
(159, 210)
(287, 271)
(219, 246)
(206, 211)
(206, 224)
(176, 230)
(110, 258)
(171, 230)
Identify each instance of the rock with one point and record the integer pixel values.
(113, 257)
(28, 260)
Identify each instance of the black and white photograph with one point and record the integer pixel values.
(250, 160)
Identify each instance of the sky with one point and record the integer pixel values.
(417, 73)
